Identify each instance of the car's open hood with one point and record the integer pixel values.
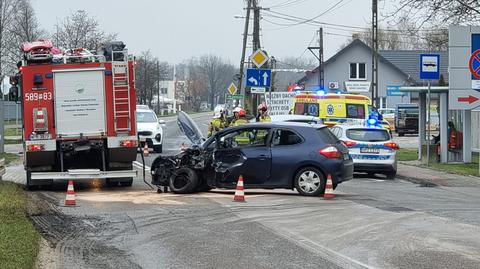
(189, 128)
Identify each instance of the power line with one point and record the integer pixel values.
(300, 20)
(319, 15)
(287, 3)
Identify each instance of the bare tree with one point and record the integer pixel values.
(439, 11)
(79, 30)
(24, 28)
(149, 71)
(196, 85)
(7, 14)
(218, 73)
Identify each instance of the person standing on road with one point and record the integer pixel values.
(242, 138)
(218, 122)
(235, 116)
(262, 113)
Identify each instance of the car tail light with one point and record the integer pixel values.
(392, 145)
(330, 152)
(129, 143)
(40, 120)
(35, 147)
(349, 143)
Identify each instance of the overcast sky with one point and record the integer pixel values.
(176, 30)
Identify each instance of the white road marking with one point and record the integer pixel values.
(140, 166)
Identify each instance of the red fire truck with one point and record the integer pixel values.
(79, 114)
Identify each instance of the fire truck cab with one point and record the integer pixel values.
(78, 114)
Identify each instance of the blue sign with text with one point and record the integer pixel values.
(394, 90)
(429, 66)
(258, 77)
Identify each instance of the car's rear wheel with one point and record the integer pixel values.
(309, 181)
(184, 180)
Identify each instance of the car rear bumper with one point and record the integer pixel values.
(346, 173)
(374, 167)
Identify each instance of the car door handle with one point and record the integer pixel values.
(262, 157)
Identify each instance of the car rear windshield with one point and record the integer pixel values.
(368, 135)
(327, 136)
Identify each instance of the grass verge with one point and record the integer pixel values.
(407, 155)
(468, 169)
(12, 141)
(13, 132)
(19, 241)
(9, 157)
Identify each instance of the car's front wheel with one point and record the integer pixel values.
(309, 181)
(183, 180)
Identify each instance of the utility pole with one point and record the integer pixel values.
(158, 87)
(321, 78)
(256, 26)
(250, 102)
(244, 48)
(375, 53)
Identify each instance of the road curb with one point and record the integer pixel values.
(421, 181)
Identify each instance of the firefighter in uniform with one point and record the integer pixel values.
(262, 117)
(218, 122)
(262, 113)
(243, 138)
(235, 116)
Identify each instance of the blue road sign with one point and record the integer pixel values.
(429, 66)
(258, 77)
(394, 90)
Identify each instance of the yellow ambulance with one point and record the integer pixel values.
(332, 108)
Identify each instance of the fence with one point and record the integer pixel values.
(12, 112)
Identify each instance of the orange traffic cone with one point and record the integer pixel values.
(145, 150)
(239, 193)
(329, 188)
(70, 199)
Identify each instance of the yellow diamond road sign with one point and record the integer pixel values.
(232, 89)
(259, 58)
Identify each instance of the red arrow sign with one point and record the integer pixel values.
(470, 99)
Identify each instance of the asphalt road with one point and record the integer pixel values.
(372, 223)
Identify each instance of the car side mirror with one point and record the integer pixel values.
(13, 94)
(161, 122)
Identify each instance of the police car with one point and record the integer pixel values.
(371, 148)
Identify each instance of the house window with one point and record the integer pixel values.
(163, 90)
(358, 71)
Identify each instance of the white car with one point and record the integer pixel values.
(150, 128)
(371, 148)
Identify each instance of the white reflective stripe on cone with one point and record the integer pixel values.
(240, 184)
(239, 192)
(70, 197)
(70, 188)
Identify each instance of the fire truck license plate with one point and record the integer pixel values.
(370, 150)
